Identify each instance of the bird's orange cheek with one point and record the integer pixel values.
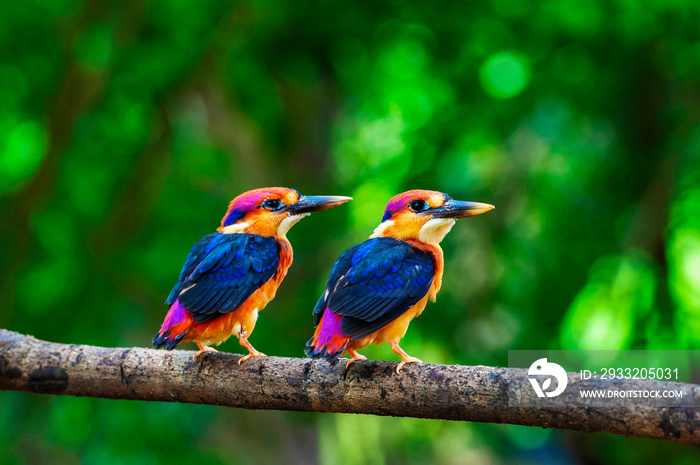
(263, 222)
(408, 226)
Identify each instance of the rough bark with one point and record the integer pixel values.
(448, 392)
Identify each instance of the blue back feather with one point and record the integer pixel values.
(375, 282)
(222, 271)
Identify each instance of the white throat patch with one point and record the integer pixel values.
(288, 222)
(235, 228)
(435, 230)
(379, 230)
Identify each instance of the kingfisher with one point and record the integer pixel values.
(378, 286)
(231, 275)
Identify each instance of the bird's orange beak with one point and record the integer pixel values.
(459, 209)
(308, 204)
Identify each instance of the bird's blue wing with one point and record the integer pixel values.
(194, 258)
(376, 282)
(222, 271)
(341, 267)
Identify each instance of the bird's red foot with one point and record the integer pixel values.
(243, 339)
(355, 356)
(405, 358)
(252, 354)
(202, 349)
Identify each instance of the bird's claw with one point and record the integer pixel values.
(354, 358)
(252, 354)
(202, 350)
(405, 361)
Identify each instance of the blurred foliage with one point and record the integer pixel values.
(126, 127)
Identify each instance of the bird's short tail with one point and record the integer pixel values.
(175, 326)
(328, 342)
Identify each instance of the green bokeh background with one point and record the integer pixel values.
(126, 127)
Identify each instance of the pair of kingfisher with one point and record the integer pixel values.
(374, 290)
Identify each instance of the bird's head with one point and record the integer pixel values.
(424, 215)
(271, 211)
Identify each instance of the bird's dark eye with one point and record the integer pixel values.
(272, 204)
(418, 205)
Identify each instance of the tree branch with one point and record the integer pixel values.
(449, 392)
